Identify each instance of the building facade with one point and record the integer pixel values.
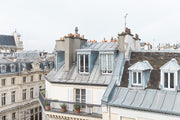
(10, 44)
(83, 71)
(21, 79)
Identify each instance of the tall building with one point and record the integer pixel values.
(83, 71)
(21, 79)
(10, 44)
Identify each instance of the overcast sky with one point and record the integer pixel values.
(41, 22)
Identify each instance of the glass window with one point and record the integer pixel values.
(81, 96)
(3, 82)
(139, 78)
(3, 99)
(13, 96)
(13, 116)
(165, 80)
(171, 80)
(12, 81)
(31, 93)
(134, 78)
(84, 63)
(24, 94)
(106, 63)
(32, 78)
(40, 77)
(24, 79)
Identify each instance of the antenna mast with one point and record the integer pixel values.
(125, 21)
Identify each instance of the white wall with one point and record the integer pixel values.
(65, 92)
(116, 113)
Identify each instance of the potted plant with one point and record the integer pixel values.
(77, 108)
(43, 92)
(63, 107)
(47, 105)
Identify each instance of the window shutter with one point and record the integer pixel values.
(89, 96)
(71, 98)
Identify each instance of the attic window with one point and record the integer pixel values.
(106, 63)
(136, 78)
(169, 80)
(3, 68)
(83, 63)
(12, 67)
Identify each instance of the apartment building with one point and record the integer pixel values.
(83, 71)
(21, 79)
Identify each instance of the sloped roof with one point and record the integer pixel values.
(144, 65)
(149, 100)
(7, 40)
(156, 59)
(171, 65)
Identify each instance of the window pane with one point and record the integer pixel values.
(134, 78)
(110, 62)
(83, 92)
(86, 63)
(81, 63)
(171, 80)
(139, 78)
(165, 80)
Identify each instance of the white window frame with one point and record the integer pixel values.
(84, 72)
(13, 96)
(137, 78)
(24, 95)
(13, 67)
(168, 88)
(80, 94)
(31, 93)
(106, 63)
(3, 99)
(3, 70)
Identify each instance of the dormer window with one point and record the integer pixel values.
(168, 73)
(106, 63)
(3, 68)
(84, 63)
(136, 78)
(169, 80)
(139, 74)
(12, 67)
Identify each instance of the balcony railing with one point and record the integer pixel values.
(90, 110)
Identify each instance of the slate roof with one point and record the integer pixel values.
(7, 40)
(156, 59)
(148, 100)
(94, 77)
(144, 65)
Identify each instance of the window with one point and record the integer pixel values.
(3, 117)
(40, 87)
(31, 93)
(12, 81)
(136, 78)
(3, 68)
(106, 63)
(24, 79)
(169, 80)
(83, 63)
(32, 78)
(3, 99)
(13, 97)
(13, 116)
(3, 82)
(32, 116)
(81, 96)
(24, 94)
(40, 77)
(13, 67)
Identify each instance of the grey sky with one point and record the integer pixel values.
(41, 22)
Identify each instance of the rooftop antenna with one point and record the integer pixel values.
(125, 21)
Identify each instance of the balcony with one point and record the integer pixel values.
(87, 110)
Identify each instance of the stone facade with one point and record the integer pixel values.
(19, 88)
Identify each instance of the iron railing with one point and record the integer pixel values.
(91, 110)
